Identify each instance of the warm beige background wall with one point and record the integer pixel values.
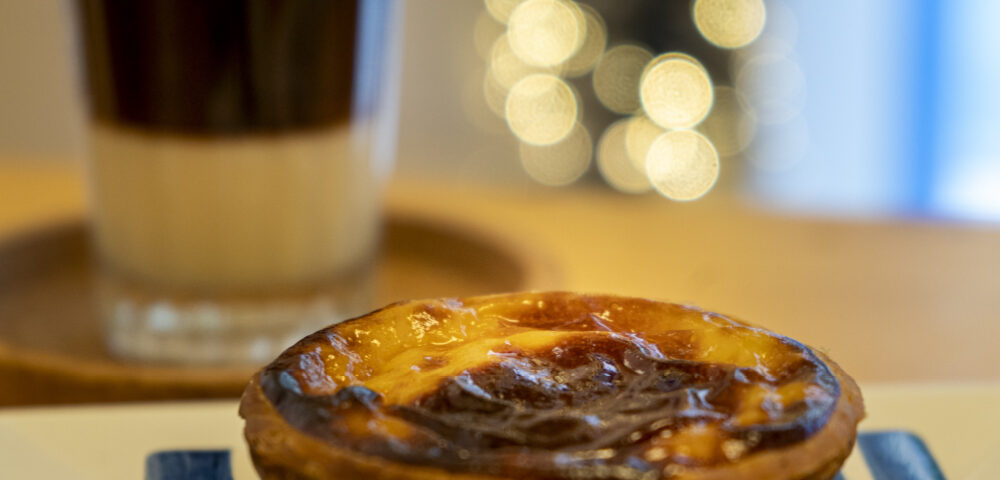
(39, 110)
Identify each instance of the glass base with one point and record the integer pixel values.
(155, 325)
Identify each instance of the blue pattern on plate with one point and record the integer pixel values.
(189, 465)
(896, 455)
(890, 455)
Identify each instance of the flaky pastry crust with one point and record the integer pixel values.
(282, 451)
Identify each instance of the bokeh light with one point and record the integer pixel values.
(614, 164)
(676, 91)
(640, 133)
(779, 36)
(545, 33)
(730, 23)
(501, 9)
(594, 41)
(561, 163)
(507, 68)
(682, 165)
(617, 75)
(728, 126)
(666, 97)
(541, 109)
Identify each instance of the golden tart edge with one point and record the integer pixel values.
(281, 451)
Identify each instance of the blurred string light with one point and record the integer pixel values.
(614, 162)
(675, 91)
(546, 33)
(730, 23)
(682, 165)
(777, 37)
(560, 163)
(595, 39)
(640, 133)
(770, 85)
(541, 109)
(678, 122)
(616, 77)
(507, 68)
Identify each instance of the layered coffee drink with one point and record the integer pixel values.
(234, 169)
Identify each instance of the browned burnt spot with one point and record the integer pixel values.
(623, 393)
(548, 399)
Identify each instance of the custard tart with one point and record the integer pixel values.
(548, 386)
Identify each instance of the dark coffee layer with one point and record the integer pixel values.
(219, 66)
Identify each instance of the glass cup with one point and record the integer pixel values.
(237, 151)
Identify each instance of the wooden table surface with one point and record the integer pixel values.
(896, 301)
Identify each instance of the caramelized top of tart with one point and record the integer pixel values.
(552, 385)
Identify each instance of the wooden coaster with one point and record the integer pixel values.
(51, 345)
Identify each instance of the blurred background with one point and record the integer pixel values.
(847, 108)
(827, 169)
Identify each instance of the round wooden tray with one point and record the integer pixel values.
(51, 350)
